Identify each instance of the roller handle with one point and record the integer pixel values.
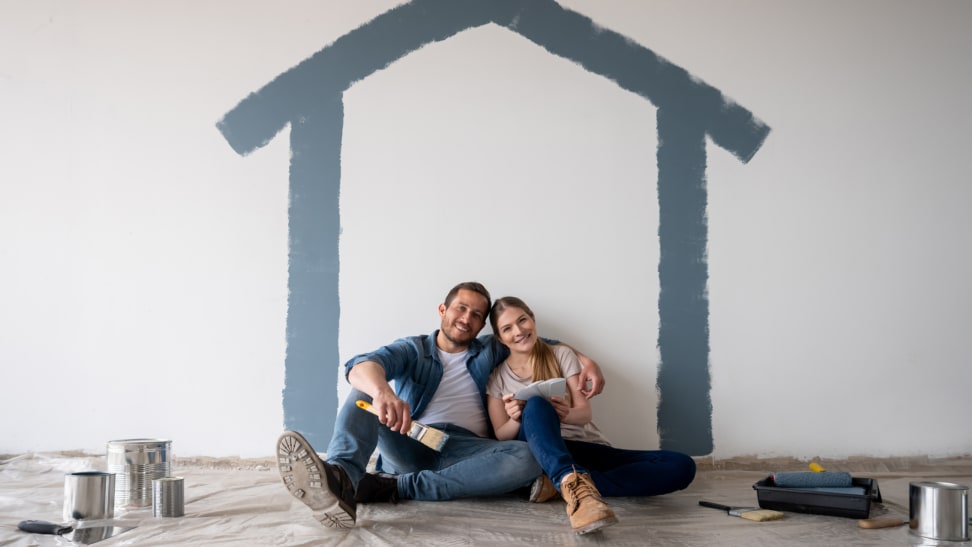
(881, 522)
(43, 527)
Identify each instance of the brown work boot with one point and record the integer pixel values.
(543, 490)
(586, 509)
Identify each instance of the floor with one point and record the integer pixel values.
(243, 502)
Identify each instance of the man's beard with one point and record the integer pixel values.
(449, 337)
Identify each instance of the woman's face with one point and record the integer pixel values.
(517, 330)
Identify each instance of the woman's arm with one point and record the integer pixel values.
(505, 415)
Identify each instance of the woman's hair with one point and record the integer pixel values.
(542, 359)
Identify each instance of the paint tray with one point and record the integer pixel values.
(802, 500)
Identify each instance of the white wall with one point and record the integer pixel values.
(144, 278)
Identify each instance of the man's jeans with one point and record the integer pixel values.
(615, 471)
(467, 466)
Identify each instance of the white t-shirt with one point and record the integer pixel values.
(457, 400)
(503, 381)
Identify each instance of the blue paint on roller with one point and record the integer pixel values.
(850, 490)
(810, 479)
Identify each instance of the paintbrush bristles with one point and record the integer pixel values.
(430, 437)
(761, 515)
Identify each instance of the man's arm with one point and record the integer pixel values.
(369, 377)
(590, 374)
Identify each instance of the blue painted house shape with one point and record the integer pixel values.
(309, 97)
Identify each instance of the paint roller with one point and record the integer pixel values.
(839, 482)
(813, 479)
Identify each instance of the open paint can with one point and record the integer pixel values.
(89, 495)
(939, 510)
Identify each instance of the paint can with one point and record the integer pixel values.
(939, 510)
(89, 495)
(136, 463)
(168, 497)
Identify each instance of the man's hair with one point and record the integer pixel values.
(473, 286)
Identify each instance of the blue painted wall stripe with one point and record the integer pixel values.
(684, 407)
(314, 309)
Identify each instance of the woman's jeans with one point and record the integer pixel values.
(615, 471)
(468, 465)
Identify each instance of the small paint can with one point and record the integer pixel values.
(939, 510)
(168, 497)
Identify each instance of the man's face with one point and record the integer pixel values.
(464, 318)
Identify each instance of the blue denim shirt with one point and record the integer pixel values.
(414, 364)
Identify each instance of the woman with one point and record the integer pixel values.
(580, 462)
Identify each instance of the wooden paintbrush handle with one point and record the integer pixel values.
(364, 405)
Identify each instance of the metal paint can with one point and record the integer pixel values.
(168, 497)
(89, 495)
(136, 463)
(939, 510)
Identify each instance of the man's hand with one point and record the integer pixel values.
(393, 412)
(369, 377)
(591, 379)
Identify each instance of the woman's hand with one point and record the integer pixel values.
(499, 409)
(514, 408)
(561, 406)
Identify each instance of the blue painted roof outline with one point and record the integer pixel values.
(564, 33)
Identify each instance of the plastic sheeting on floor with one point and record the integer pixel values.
(243, 502)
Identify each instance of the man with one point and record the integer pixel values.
(441, 379)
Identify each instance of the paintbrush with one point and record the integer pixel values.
(429, 436)
(748, 513)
